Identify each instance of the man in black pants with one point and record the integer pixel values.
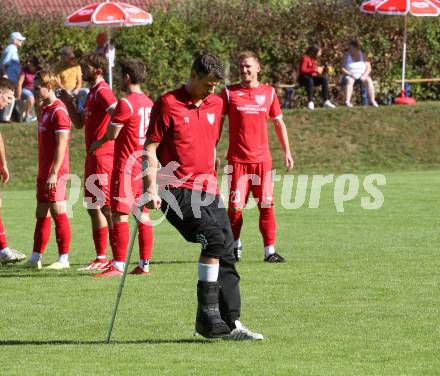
(182, 135)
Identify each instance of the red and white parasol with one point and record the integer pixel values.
(420, 8)
(109, 14)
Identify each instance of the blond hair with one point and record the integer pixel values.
(48, 79)
(248, 54)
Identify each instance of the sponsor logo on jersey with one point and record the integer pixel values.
(186, 119)
(211, 118)
(260, 99)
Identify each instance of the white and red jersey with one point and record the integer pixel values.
(132, 115)
(248, 111)
(96, 117)
(53, 119)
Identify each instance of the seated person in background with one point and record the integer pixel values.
(69, 75)
(25, 87)
(310, 75)
(356, 69)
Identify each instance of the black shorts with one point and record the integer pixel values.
(200, 217)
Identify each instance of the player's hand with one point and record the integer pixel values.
(289, 162)
(153, 201)
(51, 182)
(94, 146)
(65, 96)
(218, 164)
(4, 174)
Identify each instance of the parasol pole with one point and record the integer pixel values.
(110, 73)
(405, 31)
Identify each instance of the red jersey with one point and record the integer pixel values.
(96, 117)
(248, 111)
(53, 119)
(132, 115)
(308, 66)
(187, 135)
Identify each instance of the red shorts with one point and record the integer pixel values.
(251, 177)
(97, 177)
(125, 191)
(59, 193)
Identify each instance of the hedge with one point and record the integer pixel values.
(279, 31)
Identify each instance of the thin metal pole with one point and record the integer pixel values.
(121, 284)
(405, 31)
(110, 73)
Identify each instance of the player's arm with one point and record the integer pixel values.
(62, 139)
(69, 101)
(150, 165)
(4, 172)
(281, 131)
(111, 134)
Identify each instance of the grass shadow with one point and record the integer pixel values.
(59, 342)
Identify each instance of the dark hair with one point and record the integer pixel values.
(6, 84)
(34, 61)
(355, 44)
(97, 61)
(313, 50)
(135, 68)
(207, 64)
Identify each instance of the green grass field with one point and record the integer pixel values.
(359, 296)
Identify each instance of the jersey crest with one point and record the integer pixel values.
(211, 118)
(260, 99)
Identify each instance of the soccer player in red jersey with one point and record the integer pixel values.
(7, 255)
(127, 127)
(53, 170)
(182, 136)
(95, 118)
(249, 105)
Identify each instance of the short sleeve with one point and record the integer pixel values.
(122, 113)
(224, 95)
(275, 108)
(160, 121)
(105, 98)
(61, 119)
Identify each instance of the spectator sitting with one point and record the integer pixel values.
(310, 75)
(25, 87)
(10, 62)
(69, 75)
(356, 69)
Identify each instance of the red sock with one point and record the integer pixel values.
(100, 240)
(41, 234)
(236, 219)
(62, 232)
(268, 226)
(112, 240)
(121, 234)
(145, 241)
(3, 241)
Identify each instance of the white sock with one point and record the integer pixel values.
(120, 265)
(64, 259)
(144, 265)
(269, 250)
(208, 272)
(102, 257)
(237, 243)
(35, 257)
(5, 251)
